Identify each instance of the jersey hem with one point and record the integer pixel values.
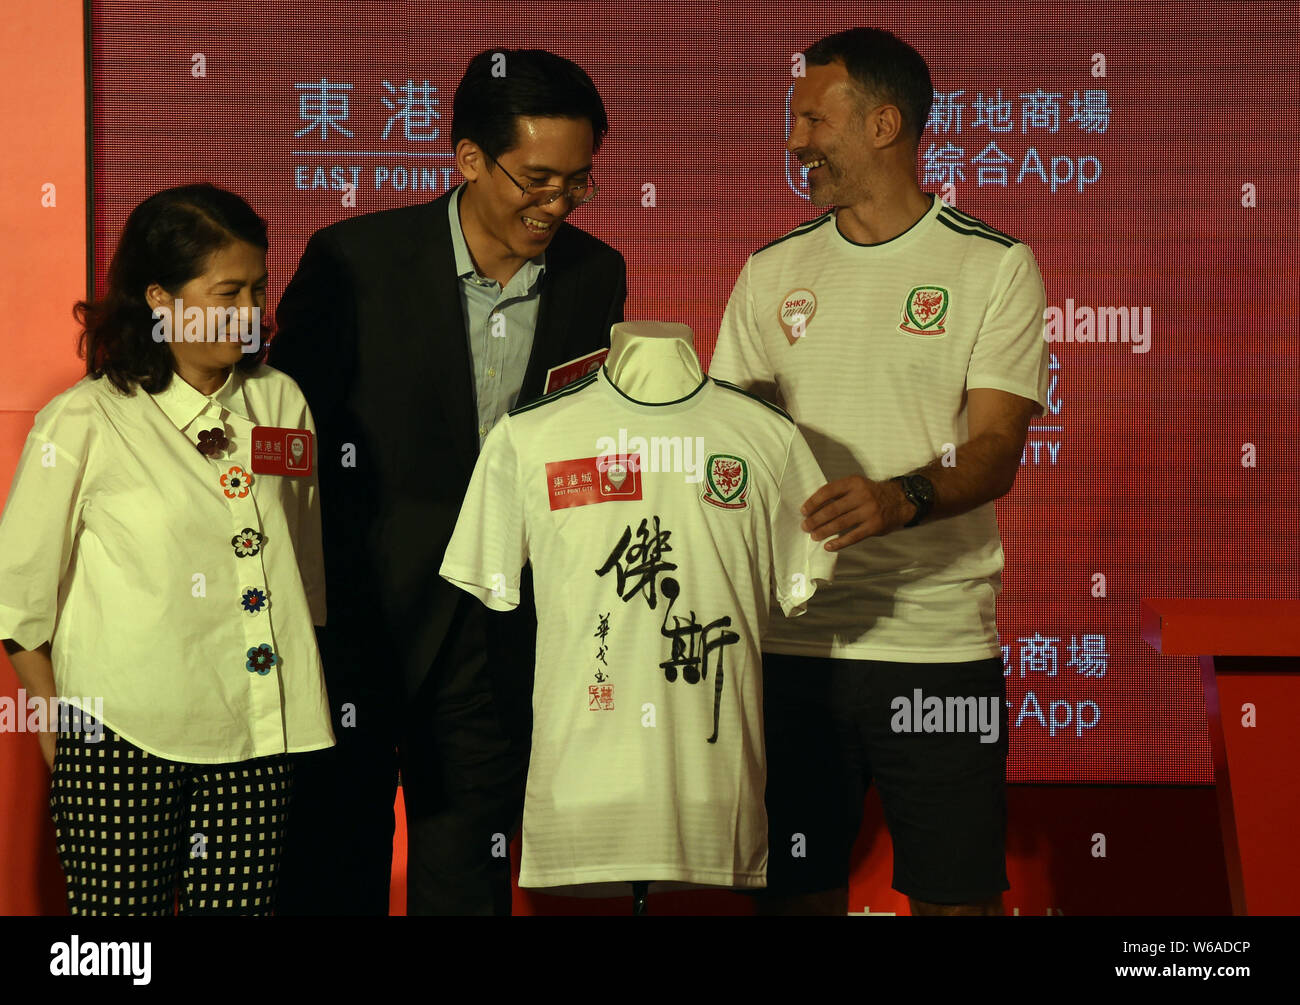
(650, 874)
(884, 654)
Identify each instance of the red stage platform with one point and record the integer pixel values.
(1250, 668)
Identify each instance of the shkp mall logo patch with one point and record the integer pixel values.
(796, 310)
(726, 481)
(924, 311)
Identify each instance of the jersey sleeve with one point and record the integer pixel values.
(489, 546)
(739, 357)
(798, 562)
(39, 528)
(1010, 353)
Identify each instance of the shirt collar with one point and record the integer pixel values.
(532, 269)
(183, 403)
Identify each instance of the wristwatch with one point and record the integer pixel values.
(920, 493)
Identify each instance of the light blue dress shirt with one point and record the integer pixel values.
(499, 324)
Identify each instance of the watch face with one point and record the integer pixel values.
(919, 490)
(923, 487)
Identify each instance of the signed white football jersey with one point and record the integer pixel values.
(657, 535)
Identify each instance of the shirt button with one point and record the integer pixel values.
(235, 482)
(247, 542)
(261, 660)
(254, 600)
(492, 371)
(482, 430)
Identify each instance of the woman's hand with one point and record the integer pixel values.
(36, 675)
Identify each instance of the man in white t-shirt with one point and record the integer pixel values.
(905, 338)
(657, 533)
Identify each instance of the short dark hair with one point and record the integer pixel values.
(884, 67)
(535, 83)
(167, 240)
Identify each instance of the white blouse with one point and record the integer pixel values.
(179, 588)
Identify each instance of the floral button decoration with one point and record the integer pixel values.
(254, 600)
(262, 660)
(247, 542)
(236, 482)
(213, 442)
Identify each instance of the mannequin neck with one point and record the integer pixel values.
(653, 369)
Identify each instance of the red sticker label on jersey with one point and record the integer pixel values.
(281, 451)
(587, 480)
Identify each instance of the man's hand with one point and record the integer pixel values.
(855, 508)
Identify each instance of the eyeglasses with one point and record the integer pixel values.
(544, 195)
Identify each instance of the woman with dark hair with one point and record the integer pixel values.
(161, 573)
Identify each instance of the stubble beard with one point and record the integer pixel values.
(838, 191)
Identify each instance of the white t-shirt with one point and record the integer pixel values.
(893, 334)
(653, 578)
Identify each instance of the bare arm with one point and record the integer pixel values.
(36, 675)
(856, 508)
(987, 463)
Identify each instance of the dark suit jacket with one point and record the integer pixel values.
(371, 328)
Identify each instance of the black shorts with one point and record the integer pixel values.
(835, 725)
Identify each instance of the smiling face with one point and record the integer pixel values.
(234, 276)
(547, 151)
(830, 135)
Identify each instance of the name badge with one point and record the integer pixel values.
(281, 451)
(566, 373)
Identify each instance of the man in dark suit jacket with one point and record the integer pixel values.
(411, 331)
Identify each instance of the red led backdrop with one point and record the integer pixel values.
(1146, 160)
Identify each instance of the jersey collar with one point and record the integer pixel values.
(682, 404)
(898, 240)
